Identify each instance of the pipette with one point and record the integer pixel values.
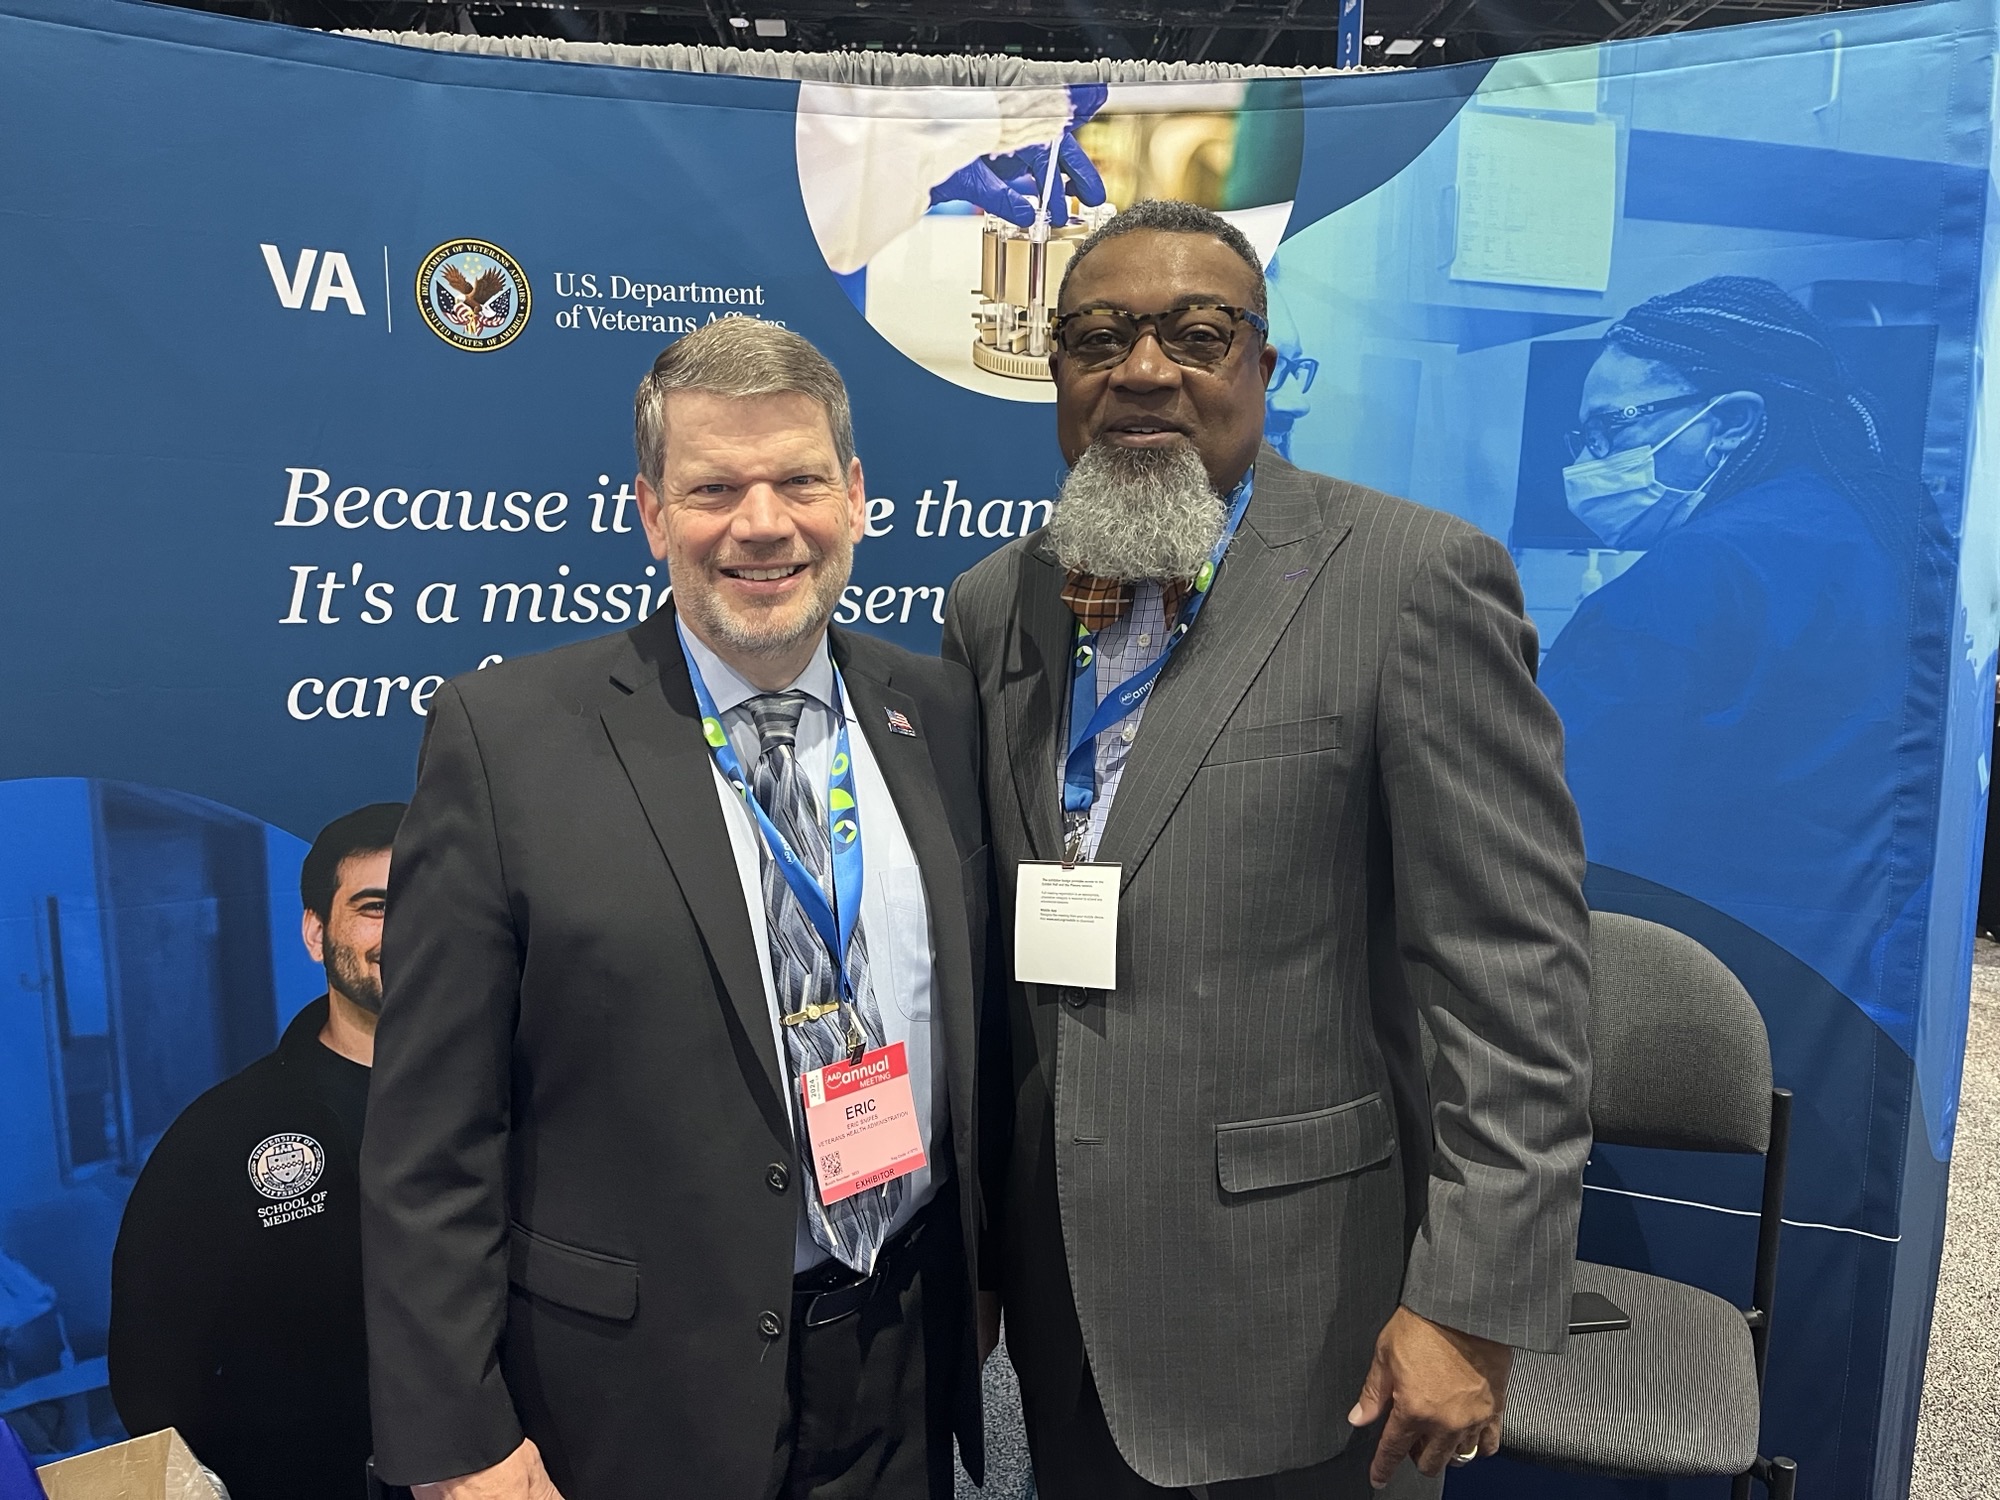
(1038, 259)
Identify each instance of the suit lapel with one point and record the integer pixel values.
(1284, 543)
(1034, 695)
(905, 763)
(655, 730)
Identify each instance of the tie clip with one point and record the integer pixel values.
(811, 1013)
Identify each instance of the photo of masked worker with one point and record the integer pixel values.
(948, 215)
(1748, 671)
(1288, 394)
(236, 1282)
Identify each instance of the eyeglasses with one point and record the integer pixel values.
(1198, 336)
(1295, 366)
(1601, 431)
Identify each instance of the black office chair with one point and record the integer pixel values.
(1680, 1061)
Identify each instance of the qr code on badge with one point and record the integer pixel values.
(829, 1164)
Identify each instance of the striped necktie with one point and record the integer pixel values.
(815, 1026)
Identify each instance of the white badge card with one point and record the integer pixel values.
(1066, 924)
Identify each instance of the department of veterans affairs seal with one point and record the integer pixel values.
(284, 1166)
(473, 294)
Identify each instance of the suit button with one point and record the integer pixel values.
(770, 1324)
(1077, 998)
(776, 1177)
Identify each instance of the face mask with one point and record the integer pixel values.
(1621, 499)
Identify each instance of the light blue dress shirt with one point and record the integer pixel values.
(1124, 649)
(894, 914)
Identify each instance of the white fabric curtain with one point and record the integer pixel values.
(891, 68)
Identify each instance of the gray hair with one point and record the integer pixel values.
(1169, 216)
(738, 356)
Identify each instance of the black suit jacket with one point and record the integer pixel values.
(580, 1188)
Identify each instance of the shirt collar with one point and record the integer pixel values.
(728, 688)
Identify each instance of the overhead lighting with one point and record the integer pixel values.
(1437, 41)
(1372, 41)
(741, 23)
(766, 27)
(1402, 47)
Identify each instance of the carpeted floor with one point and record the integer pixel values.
(1958, 1432)
(1007, 1473)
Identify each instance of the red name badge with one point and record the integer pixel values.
(862, 1120)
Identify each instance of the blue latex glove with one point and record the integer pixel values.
(1025, 168)
(1010, 185)
(1085, 100)
(977, 183)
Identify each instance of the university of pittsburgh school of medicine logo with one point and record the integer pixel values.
(285, 1166)
(473, 294)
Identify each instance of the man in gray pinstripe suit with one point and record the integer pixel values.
(1250, 1246)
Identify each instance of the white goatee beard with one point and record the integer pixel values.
(1133, 514)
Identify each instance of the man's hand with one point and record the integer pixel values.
(1443, 1392)
(989, 1324)
(518, 1476)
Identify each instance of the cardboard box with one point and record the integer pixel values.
(155, 1467)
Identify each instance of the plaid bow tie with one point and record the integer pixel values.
(1099, 602)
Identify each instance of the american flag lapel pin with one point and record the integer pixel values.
(899, 723)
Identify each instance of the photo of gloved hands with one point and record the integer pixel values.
(949, 231)
(1009, 184)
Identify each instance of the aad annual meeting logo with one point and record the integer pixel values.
(473, 294)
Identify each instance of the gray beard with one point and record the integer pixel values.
(717, 624)
(1133, 514)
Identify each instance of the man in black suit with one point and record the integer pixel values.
(1255, 1245)
(667, 902)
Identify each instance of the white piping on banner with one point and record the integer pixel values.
(388, 296)
(1743, 1213)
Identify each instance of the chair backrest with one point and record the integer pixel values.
(1679, 1055)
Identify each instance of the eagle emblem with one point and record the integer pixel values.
(473, 294)
(474, 305)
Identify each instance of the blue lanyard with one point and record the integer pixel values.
(1088, 717)
(843, 826)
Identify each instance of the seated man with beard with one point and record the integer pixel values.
(236, 1283)
(1285, 733)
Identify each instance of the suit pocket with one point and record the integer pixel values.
(605, 1286)
(1263, 741)
(1291, 1149)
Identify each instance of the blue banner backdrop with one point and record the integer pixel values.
(318, 360)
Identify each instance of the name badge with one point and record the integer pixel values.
(1066, 924)
(862, 1121)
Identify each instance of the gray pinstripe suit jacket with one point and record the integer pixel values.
(1345, 806)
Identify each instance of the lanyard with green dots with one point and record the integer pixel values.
(1090, 716)
(843, 826)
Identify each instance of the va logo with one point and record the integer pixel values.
(473, 294)
(284, 1166)
(335, 282)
